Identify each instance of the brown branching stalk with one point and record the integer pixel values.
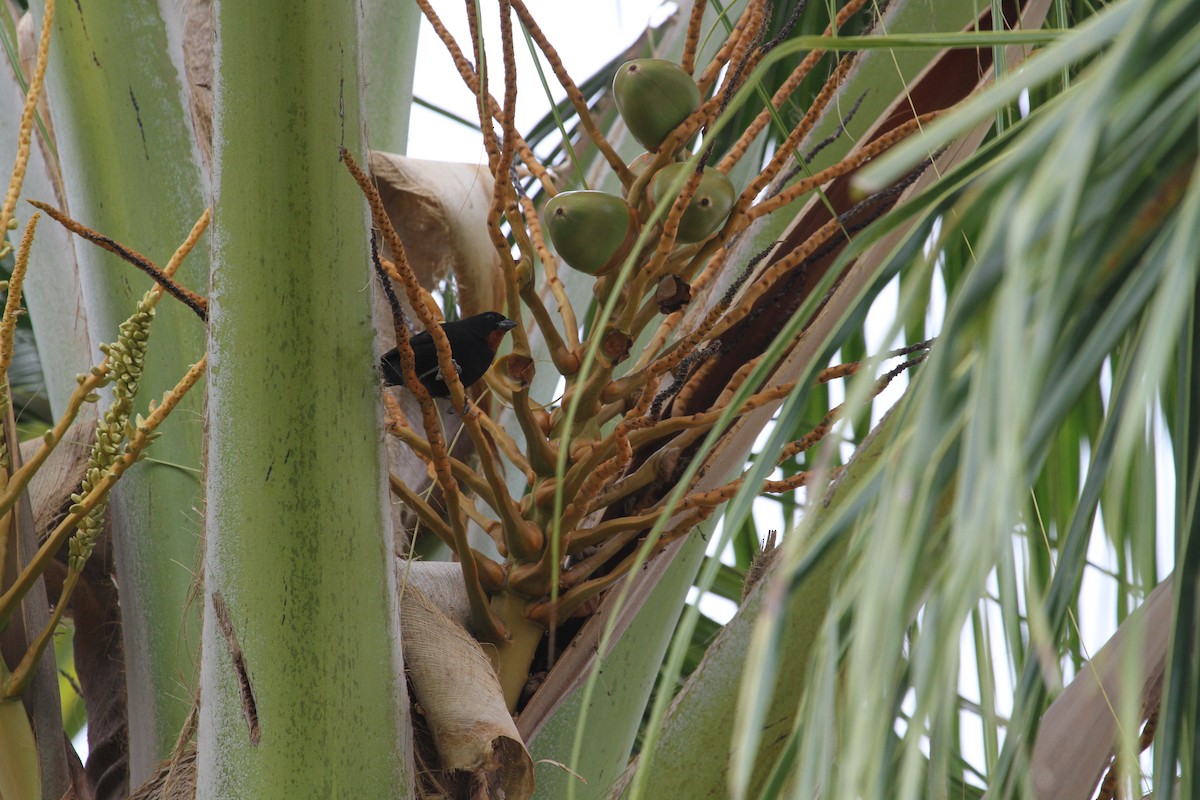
(670, 228)
(656, 344)
(609, 543)
(607, 460)
(488, 525)
(706, 419)
(715, 325)
(25, 128)
(521, 538)
(851, 368)
(584, 538)
(143, 434)
(566, 359)
(723, 494)
(653, 263)
(508, 446)
(550, 264)
(681, 351)
(542, 454)
(736, 380)
(789, 86)
(666, 151)
(84, 393)
(614, 482)
(99, 375)
(787, 148)
(578, 101)
(8, 326)
(570, 601)
(613, 535)
(482, 96)
(692, 42)
(745, 56)
(399, 428)
(844, 167)
(745, 27)
(184, 295)
(491, 575)
(467, 73)
(519, 285)
(9, 205)
(714, 497)
(647, 473)
(484, 621)
(12, 305)
(424, 511)
(185, 249)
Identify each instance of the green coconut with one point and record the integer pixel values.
(654, 96)
(592, 231)
(709, 206)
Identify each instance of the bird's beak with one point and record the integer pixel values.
(506, 325)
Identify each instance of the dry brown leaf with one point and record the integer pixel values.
(440, 211)
(1079, 732)
(456, 686)
(173, 779)
(62, 473)
(442, 584)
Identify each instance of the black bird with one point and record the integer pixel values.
(473, 343)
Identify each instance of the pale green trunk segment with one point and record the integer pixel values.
(389, 40)
(297, 544)
(130, 171)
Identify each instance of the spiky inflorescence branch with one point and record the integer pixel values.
(630, 435)
(484, 621)
(126, 361)
(139, 439)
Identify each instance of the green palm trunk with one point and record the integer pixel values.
(298, 568)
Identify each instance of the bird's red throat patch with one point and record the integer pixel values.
(494, 338)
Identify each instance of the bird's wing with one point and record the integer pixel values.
(425, 353)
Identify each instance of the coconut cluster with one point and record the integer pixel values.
(594, 231)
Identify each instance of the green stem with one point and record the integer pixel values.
(515, 657)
